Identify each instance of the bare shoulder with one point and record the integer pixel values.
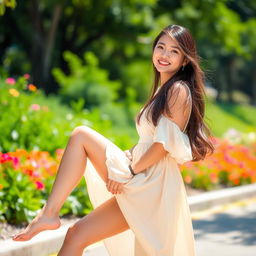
(179, 103)
(179, 93)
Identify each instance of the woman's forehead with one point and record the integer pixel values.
(167, 41)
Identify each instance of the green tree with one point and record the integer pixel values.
(6, 3)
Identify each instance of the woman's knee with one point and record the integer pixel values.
(74, 238)
(80, 130)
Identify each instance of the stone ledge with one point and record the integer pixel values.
(48, 242)
(213, 198)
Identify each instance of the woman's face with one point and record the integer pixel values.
(167, 56)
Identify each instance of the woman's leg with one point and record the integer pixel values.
(104, 221)
(84, 142)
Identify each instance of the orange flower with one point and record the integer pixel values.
(188, 179)
(232, 164)
(32, 87)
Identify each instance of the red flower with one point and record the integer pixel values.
(5, 157)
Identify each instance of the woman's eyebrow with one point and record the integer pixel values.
(173, 46)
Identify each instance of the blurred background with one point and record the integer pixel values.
(65, 63)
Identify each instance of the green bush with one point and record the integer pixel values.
(19, 198)
(26, 180)
(86, 81)
(32, 121)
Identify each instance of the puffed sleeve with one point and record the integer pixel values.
(168, 131)
(117, 164)
(173, 139)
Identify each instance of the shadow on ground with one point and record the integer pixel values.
(228, 227)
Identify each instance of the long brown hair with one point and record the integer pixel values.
(198, 132)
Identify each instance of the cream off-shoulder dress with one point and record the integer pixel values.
(153, 202)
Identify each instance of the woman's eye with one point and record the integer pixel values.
(160, 47)
(174, 51)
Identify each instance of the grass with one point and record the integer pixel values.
(223, 116)
(219, 116)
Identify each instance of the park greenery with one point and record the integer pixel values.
(36, 34)
(71, 63)
(35, 130)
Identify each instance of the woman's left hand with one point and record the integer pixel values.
(114, 187)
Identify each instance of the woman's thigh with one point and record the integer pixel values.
(104, 221)
(95, 146)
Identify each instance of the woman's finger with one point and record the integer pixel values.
(109, 186)
(128, 154)
(115, 187)
(120, 188)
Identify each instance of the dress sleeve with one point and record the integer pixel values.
(117, 164)
(168, 131)
(173, 139)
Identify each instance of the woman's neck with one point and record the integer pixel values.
(164, 77)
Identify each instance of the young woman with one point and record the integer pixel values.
(149, 213)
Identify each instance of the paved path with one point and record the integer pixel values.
(228, 230)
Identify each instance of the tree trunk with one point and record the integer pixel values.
(231, 75)
(42, 44)
(46, 61)
(221, 83)
(253, 97)
(37, 45)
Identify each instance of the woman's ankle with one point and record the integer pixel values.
(50, 211)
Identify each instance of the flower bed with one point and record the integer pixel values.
(26, 180)
(230, 165)
(27, 176)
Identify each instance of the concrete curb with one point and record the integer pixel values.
(43, 244)
(48, 242)
(213, 198)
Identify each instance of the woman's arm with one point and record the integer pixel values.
(178, 99)
(131, 149)
(154, 153)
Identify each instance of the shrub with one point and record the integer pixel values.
(34, 122)
(26, 179)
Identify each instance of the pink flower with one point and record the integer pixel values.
(26, 76)
(35, 107)
(39, 185)
(36, 174)
(15, 161)
(10, 80)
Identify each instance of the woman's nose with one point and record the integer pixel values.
(166, 53)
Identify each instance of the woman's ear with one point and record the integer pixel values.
(185, 62)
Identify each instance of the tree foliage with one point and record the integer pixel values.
(120, 34)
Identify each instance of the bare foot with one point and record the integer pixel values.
(40, 223)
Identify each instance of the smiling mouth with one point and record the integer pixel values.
(163, 63)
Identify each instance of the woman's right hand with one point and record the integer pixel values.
(128, 154)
